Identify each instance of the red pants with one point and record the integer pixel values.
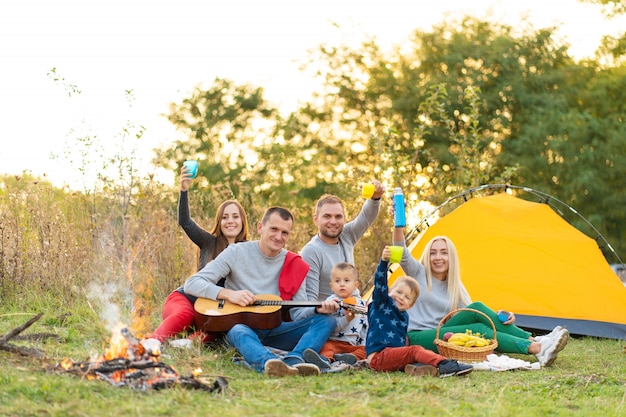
(395, 358)
(337, 346)
(179, 316)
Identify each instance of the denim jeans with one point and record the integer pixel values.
(292, 336)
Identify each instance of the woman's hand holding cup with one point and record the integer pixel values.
(187, 173)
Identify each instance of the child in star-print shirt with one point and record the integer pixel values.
(386, 344)
(347, 343)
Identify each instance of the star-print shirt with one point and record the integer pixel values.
(387, 324)
(353, 332)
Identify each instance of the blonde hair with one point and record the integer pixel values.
(457, 293)
(410, 282)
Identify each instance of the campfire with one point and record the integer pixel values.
(127, 363)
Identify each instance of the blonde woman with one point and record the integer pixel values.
(438, 273)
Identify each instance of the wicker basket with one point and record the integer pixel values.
(462, 353)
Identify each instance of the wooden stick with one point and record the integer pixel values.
(24, 351)
(19, 329)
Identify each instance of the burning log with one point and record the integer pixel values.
(127, 363)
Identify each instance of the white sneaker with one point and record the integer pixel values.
(181, 343)
(151, 345)
(563, 338)
(551, 346)
(547, 335)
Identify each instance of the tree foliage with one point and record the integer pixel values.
(467, 103)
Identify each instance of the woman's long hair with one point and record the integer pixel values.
(457, 293)
(220, 240)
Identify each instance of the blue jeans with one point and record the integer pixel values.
(292, 336)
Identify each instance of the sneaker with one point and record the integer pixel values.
(337, 366)
(548, 335)
(151, 345)
(450, 367)
(276, 367)
(562, 337)
(551, 346)
(311, 356)
(420, 369)
(181, 343)
(362, 364)
(307, 369)
(565, 338)
(348, 358)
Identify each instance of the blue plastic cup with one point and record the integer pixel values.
(503, 316)
(192, 168)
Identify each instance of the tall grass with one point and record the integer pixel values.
(130, 251)
(67, 245)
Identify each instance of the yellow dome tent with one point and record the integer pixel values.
(523, 257)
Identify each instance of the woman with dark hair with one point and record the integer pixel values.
(230, 226)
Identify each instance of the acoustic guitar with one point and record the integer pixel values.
(265, 313)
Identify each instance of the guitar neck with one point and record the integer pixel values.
(291, 303)
(305, 303)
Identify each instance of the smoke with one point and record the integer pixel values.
(102, 295)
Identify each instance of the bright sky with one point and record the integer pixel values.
(163, 49)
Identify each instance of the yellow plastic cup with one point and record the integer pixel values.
(368, 190)
(396, 254)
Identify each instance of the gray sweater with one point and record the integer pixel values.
(245, 267)
(431, 306)
(321, 256)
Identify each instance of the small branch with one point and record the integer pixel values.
(24, 351)
(4, 339)
(13, 334)
(37, 336)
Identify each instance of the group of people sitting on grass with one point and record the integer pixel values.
(396, 334)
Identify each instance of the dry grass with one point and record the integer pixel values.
(75, 247)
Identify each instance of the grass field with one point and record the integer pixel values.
(588, 379)
(72, 256)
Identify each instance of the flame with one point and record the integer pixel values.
(66, 364)
(123, 345)
(118, 376)
(118, 347)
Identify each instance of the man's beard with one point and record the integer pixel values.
(326, 234)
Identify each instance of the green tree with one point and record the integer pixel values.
(466, 103)
(223, 126)
(473, 97)
(437, 110)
